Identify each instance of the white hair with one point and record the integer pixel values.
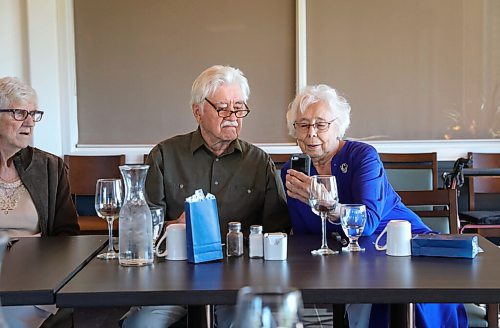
(212, 78)
(14, 91)
(312, 94)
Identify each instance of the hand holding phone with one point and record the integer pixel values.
(301, 163)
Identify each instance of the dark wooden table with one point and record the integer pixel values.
(34, 269)
(368, 277)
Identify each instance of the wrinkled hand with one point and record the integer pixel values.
(297, 185)
(334, 216)
(180, 219)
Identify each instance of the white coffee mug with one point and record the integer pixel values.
(398, 238)
(176, 249)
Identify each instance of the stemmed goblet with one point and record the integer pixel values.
(158, 219)
(269, 307)
(353, 219)
(108, 202)
(323, 198)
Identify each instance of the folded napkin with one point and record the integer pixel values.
(465, 246)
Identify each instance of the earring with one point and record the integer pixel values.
(339, 138)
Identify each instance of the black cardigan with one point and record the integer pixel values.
(45, 177)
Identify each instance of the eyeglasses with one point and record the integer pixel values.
(223, 111)
(22, 114)
(318, 126)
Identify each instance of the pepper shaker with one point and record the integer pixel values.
(234, 239)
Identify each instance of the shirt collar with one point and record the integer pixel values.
(197, 142)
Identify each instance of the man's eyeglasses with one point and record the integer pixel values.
(318, 126)
(22, 114)
(241, 109)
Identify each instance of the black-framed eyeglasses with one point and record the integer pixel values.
(22, 114)
(240, 109)
(318, 126)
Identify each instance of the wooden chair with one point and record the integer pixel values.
(280, 159)
(443, 204)
(84, 171)
(416, 171)
(410, 172)
(484, 217)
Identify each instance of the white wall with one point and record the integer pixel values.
(13, 57)
(29, 38)
(37, 46)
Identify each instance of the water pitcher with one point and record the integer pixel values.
(135, 232)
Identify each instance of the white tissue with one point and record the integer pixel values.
(199, 196)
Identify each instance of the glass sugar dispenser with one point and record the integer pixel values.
(256, 241)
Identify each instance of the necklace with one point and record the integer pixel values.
(10, 194)
(9, 181)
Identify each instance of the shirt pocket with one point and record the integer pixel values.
(175, 195)
(246, 199)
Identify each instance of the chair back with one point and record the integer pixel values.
(484, 185)
(442, 203)
(280, 159)
(409, 172)
(84, 171)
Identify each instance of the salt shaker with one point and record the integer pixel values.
(234, 239)
(256, 242)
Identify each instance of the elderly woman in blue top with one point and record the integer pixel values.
(318, 118)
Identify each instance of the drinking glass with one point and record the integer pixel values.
(323, 198)
(272, 307)
(108, 202)
(353, 219)
(158, 219)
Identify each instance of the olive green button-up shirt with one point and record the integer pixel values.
(242, 179)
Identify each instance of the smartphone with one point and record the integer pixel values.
(301, 163)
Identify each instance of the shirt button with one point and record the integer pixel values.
(216, 159)
(249, 191)
(181, 186)
(216, 182)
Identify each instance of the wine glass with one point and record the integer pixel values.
(108, 202)
(272, 307)
(353, 219)
(158, 220)
(323, 198)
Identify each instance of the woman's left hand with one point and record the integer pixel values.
(297, 185)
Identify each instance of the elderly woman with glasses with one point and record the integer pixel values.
(318, 118)
(34, 189)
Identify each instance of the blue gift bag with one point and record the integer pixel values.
(202, 231)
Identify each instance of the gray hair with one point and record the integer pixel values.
(212, 78)
(320, 93)
(14, 91)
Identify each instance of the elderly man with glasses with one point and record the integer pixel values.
(213, 158)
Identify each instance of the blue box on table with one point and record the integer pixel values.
(465, 246)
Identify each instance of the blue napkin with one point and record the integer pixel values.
(464, 246)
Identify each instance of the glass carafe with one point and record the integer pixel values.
(4, 239)
(135, 229)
